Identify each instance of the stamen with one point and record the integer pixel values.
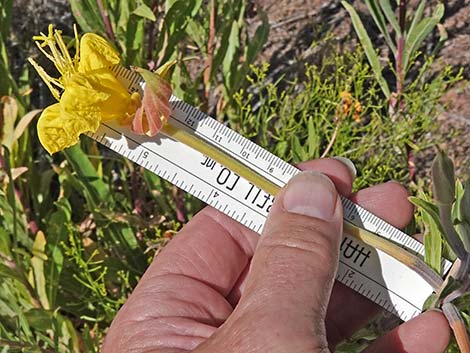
(46, 54)
(48, 80)
(76, 58)
(65, 53)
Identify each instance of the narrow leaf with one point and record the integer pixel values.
(390, 14)
(87, 15)
(433, 232)
(379, 20)
(464, 204)
(230, 62)
(443, 179)
(260, 37)
(368, 48)
(418, 14)
(95, 187)
(313, 139)
(416, 37)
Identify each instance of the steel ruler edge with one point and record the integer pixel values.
(372, 273)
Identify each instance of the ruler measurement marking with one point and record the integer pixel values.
(373, 280)
(222, 147)
(190, 173)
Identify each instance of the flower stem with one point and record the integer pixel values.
(190, 139)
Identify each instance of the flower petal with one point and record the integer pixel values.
(58, 129)
(156, 103)
(138, 121)
(119, 104)
(96, 53)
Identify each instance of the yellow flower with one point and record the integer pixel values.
(357, 112)
(348, 102)
(87, 90)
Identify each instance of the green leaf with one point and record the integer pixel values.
(87, 14)
(298, 152)
(368, 48)
(5, 243)
(432, 243)
(174, 28)
(428, 208)
(145, 12)
(416, 36)
(94, 184)
(7, 272)
(433, 232)
(313, 139)
(443, 179)
(379, 20)
(255, 44)
(463, 229)
(430, 302)
(463, 302)
(14, 225)
(418, 14)
(124, 14)
(390, 15)
(57, 232)
(230, 61)
(39, 319)
(464, 203)
(197, 33)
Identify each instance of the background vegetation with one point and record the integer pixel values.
(78, 229)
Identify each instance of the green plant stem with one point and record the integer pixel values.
(107, 22)
(192, 140)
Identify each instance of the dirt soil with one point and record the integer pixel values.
(295, 24)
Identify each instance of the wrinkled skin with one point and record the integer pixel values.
(219, 287)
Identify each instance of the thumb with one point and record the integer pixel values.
(294, 265)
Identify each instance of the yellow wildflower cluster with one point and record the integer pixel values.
(348, 102)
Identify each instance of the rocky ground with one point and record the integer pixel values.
(295, 24)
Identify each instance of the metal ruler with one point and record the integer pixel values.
(368, 271)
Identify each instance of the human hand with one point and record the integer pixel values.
(219, 287)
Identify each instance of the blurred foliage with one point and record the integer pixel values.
(337, 110)
(446, 223)
(78, 229)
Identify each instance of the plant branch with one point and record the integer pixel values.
(107, 22)
(332, 140)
